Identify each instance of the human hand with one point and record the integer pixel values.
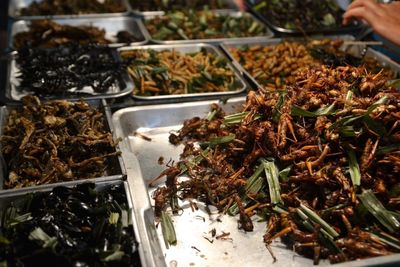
(383, 18)
(240, 4)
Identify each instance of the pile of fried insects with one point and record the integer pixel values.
(48, 33)
(80, 226)
(56, 141)
(319, 161)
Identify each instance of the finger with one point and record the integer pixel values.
(361, 13)
(240, 4)
(366, 3)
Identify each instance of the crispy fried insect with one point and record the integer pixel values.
(56, 141)
(325, 153)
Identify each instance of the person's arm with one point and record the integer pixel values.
(383, 18)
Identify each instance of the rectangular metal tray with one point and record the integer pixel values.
(234, 13)
(6, 199)
(116, 162)
(228, 4)
(192, 249)
(354, 49)
(15, 6)
(111, 26)
(328, 30)
(190, 48)
(13, 94)
(141, 159)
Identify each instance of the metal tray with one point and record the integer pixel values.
(15, 6)
(354, 49)
(116, 163)
(233, 13)
(354, 27)
(192, 249)
(111, 25)
(13, 94)
(6, 199)
(190, 48)
(229, 4)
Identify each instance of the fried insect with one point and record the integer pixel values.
(47, 33)
(171, 72)
(205, 24)
(69, 70)
(56, 141)
(69, 227)
(319, 162)
(299, 14)
(274, 66)
(56, 7)
(153, 5)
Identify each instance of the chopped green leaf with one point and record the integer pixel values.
(272, 175)
(324, 111)
(375, 207)
(318, 220)
(168, 230)
(354, 168)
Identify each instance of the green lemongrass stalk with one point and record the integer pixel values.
(237, 118)
(318, 220)
(210, 116)
(195, 161)
(376, 208)
(387, 149)
(354, 168)
(376, 104)
(272, 175)
(253, 186)
(168, 230)
(298, 111)
(387, 239)
(221, 140)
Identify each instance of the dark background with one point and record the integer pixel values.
(3, 42)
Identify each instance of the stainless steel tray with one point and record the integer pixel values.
(228, 4)
(111, 25)
(6, 199)
(233, 13)
(354, 49)
(326, 30)
(141, 158)
(117, 163)
(13, 93)
(240, 85)
(15, 6)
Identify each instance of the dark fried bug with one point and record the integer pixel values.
(274, 66)
(76, 226)
(152, 5)
(69, 70)
(172, 72)
(314, 15)
(47, 33)
(56, 141)
(205, 24)
(318, 161)
(56, 7)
